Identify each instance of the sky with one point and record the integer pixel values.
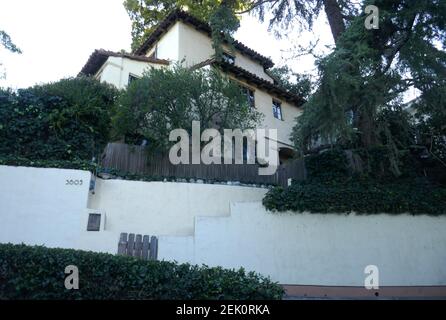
(58, 36)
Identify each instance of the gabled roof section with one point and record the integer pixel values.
(99, 56)
(179, 15)
(254, 80)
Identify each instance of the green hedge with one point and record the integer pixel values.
(31, 272)
(65, 120)
(332, 188)
(362, 196)
(61, 164)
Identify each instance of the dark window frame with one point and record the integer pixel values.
(228, 58)
(277, 109)
(250, 95)
(94, 222)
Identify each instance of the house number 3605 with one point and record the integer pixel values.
(72, 182)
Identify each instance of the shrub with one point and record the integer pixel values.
(363, 196)
(166, 99)
(65, 120)
(31, 272)
(75, 164)
(331, 187)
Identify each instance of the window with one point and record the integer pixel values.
(277, 110)
(249, 96)
(94, 222)
(226, 57)
(132, 78)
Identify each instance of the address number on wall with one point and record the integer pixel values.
(71, 182)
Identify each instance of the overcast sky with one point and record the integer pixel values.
(57, 37)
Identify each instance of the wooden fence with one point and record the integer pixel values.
(138, 246)
(136, 160)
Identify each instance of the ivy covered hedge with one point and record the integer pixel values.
(31, 272)
(359, 195)
(64, 120)
(331, 188)
(76, 164)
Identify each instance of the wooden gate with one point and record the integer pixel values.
(138, 246)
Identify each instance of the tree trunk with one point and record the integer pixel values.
(366, 126)
(334, 16)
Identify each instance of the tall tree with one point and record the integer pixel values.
(368, 70)
(6, 41)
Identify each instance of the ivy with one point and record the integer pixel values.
(65, 120)
(361, 196)
(76, 164)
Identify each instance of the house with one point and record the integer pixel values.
(182, 37)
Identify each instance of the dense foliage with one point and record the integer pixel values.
(38, 273)
(362, 196)
(333, 187)
(42, 163)
(365, 76)
(298, 84)
(369, 72)
(64, 120)
(167, 99)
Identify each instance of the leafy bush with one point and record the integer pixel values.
(28, 272)
(68, 119)
(167, 99)
(359, 195)
(61, 164)
(332, 188)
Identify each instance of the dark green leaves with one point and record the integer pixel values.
(64, 120)
(167, 99)
(38, 273)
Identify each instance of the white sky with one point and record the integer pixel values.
(57, 37)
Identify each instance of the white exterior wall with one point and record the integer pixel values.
(38, 208)
(168, 47)
(196, 47)
(157, 208)
(319, 249)
(264, 104)
(116, 70)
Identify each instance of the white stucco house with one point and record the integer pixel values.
(222, 224)
(181, 37)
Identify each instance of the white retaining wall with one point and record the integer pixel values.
(157, 208)
(37, 207)
(195, 223)
(319, 249)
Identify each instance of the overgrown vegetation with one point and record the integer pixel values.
(64, 120)
(28, 272)
(42, 163)
(363, 78)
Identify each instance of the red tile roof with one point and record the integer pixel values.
(179, 15)
(254, 80)
(99, 56)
